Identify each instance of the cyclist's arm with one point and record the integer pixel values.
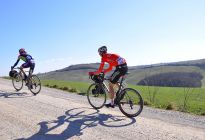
(16, 62)
(108, 69)
(100, 68)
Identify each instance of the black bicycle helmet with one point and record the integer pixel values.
(102, 50)
(22, 50)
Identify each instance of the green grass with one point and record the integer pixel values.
(79, 87)
(165, 97)
(6, 77)
(174, 97)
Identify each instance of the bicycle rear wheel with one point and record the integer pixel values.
(17, 82)
(96, 96)
(131, 102)
(35, 84)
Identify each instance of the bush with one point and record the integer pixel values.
(72, 90)
(171, 106)
(65, 88)
(203, 113)
(54, 86)
(47, 85)
(82, 93)
(173, 79)
(147, 103)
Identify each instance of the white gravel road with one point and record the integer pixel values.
(57, 115)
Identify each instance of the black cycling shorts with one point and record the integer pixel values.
(120, 70)
(27, 65)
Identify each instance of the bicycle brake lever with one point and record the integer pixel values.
(90, 76)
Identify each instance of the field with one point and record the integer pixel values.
(191, 100)
(79, 87)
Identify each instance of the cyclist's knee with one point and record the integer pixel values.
(111, 84)
(31, 71)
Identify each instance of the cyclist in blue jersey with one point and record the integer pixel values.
(29, 62)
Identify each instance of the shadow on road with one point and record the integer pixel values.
(14, 95)
(74, 121)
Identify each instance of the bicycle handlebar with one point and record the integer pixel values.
(16, 68)
(101, 75)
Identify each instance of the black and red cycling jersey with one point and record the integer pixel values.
(113, 60)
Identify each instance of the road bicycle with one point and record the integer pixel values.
(129, 100)
(19, 77)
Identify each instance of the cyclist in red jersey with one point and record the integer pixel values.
(113, 60)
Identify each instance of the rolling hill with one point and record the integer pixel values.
(137, 73)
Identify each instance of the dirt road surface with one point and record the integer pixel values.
(57, 115)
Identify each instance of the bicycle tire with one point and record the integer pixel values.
(127, 97)
(35, 82)
(17, 79)
(96, 98)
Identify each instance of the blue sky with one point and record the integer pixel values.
(59, 33)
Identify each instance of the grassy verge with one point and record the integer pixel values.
(73, 87)
(191, 100)
(6, 77)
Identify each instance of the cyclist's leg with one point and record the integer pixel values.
(113, 81)
(25, 65)
(115, 78)
(32, 66)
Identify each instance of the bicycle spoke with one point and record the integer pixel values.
(131, 103)
(17, 82)
(35, 85)
(96, 96)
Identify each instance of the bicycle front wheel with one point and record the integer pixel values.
(96, 96)
(35, 84)
(17, 82)
(131, 102)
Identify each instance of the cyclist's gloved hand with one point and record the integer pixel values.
(102, 73)
(91, 73)
(12, 67)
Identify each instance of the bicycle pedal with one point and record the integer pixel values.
(109, 105)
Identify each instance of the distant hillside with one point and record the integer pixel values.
(137, 73)
(93, 66)
(199, 63)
